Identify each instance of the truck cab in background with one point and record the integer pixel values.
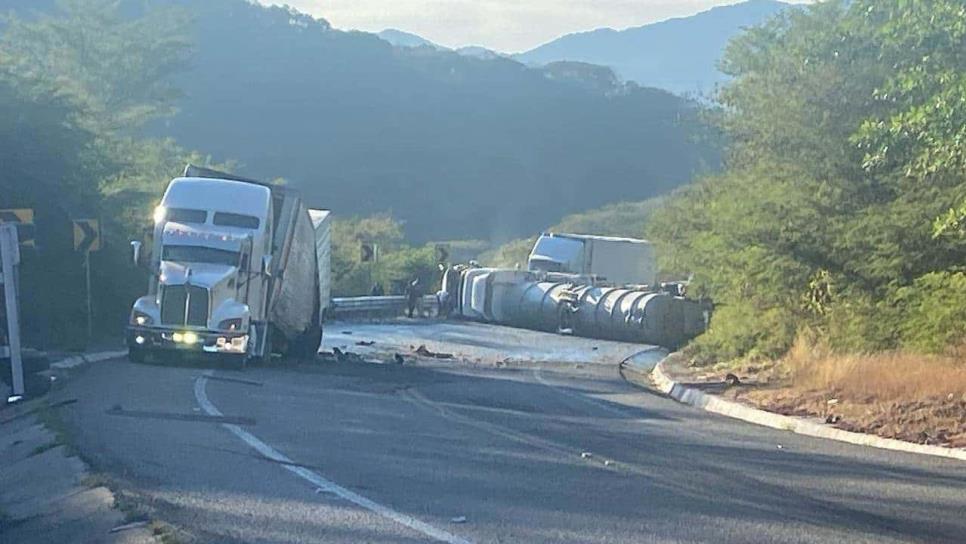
(238, 268)
(603, 259)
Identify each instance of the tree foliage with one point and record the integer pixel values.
(846, 122)
(74, 86)
(395, 261)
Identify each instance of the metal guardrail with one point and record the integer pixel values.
(385, 306)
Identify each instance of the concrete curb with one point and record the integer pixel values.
(78, 360)
(717, 405)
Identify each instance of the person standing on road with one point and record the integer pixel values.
(412, 296)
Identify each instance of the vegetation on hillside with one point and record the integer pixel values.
(75, 85)
(841, 213)
(456, 147)
(394, 263)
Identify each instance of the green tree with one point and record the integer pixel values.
(74, 87)
(846, 128)
(116, 68)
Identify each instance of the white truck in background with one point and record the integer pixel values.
(611, 260)
(238, 268)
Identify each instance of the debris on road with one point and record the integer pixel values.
(347, 356)
(421, 350)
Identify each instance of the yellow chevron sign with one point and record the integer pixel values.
(87, 235)
(24, 218)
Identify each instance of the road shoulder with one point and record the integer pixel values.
(47, 493)
(671, 385)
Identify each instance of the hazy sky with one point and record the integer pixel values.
(503, 25)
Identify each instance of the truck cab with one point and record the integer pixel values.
(210, 264)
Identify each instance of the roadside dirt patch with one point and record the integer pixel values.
(916, 398)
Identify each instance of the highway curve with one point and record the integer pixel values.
(467, 451)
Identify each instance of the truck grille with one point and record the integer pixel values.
(184, 305)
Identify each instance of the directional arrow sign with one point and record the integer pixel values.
(24, 218)
(23, 215)
(87, 235)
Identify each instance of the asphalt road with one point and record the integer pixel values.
(463, 450)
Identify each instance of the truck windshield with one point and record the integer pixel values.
(186, 215)
(200, 254)
(226, 219)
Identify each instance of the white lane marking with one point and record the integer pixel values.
(329, 487)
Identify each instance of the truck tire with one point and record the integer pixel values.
(235, 362)
(136, 355)
(308, 344)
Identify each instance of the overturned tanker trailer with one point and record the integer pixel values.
(612, 313)
(582, 304)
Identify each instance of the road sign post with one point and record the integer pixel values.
(87, 238)
(9, 259)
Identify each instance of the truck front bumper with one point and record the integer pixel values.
(186, 340)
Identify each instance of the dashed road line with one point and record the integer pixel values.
(317, 480)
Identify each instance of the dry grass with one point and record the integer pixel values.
(880, 377)
(908, 396)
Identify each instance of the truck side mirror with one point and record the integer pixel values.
(267, 265)
(136, 252)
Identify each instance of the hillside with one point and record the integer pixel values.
(679, 55)
(455, 146)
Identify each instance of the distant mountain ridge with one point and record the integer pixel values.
(455, 146)
(401, 38)
(679, 55)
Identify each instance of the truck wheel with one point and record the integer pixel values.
(236, 362)
(136, 355)
(309, 344)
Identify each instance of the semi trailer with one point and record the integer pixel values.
(238, 268)
(592, 286)
(608, 259)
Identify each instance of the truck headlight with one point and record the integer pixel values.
(232, 324)
(141, 318)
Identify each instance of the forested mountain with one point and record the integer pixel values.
(679, 55)
(454, 146)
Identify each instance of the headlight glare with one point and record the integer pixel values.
(140, 318)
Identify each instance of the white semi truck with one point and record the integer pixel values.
(237, 267)
(611, 260)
